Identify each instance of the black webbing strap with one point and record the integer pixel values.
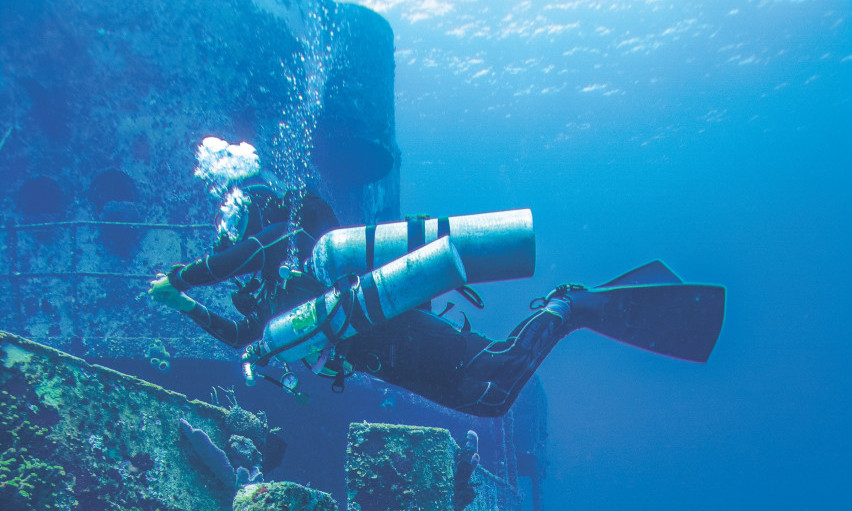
(443, 226)
(370, 233)
(358, 318)
(416, 239)
(371, 299)
(325, 326)
(416, 232)
(336, 365)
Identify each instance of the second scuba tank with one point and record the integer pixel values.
(493, 246)
(388, 291)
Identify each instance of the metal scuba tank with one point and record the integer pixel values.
(493, 246)
(381, 294)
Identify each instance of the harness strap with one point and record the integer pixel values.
(337, 385)
(325, 323)
(358, 317)
(346, 301)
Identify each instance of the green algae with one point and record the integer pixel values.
(15, 355)
(86, 434)
(282, 496)
(30, 476)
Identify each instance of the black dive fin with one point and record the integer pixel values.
(655, 272)
(678, 320)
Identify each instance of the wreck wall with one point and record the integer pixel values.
(102, 105)
(81, 436)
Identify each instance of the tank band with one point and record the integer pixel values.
(374, 311)
(443, 226)
(416, 232)
(417, 239)
(370, 234)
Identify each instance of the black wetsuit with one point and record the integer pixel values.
(416, 350)
(465, 371)
(263, 254)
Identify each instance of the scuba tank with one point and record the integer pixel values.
(310, 330)
(493, 246)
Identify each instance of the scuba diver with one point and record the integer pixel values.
(357, 299)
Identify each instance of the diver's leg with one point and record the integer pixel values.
(495, 375)
(417, 351)
(465, 371)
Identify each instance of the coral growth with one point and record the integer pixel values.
(281, 496)
(76, 436)
(30, 476)
(158, 355)
(211, 456)
(399, 467)
(249, 425)
(243, 453)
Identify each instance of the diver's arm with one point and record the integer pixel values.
(268, 247)
(264, 250)
(235, 334)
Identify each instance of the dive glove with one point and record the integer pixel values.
(163, 292)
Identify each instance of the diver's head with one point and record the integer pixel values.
(222, 165)
(246, 211)
(232, 173)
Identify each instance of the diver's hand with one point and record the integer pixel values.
(160, 286)
(163, 292)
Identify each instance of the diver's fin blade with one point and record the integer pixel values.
(655, 272)
(677, 320)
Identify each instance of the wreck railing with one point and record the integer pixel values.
(16, 275)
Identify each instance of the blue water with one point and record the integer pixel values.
(713, 135)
